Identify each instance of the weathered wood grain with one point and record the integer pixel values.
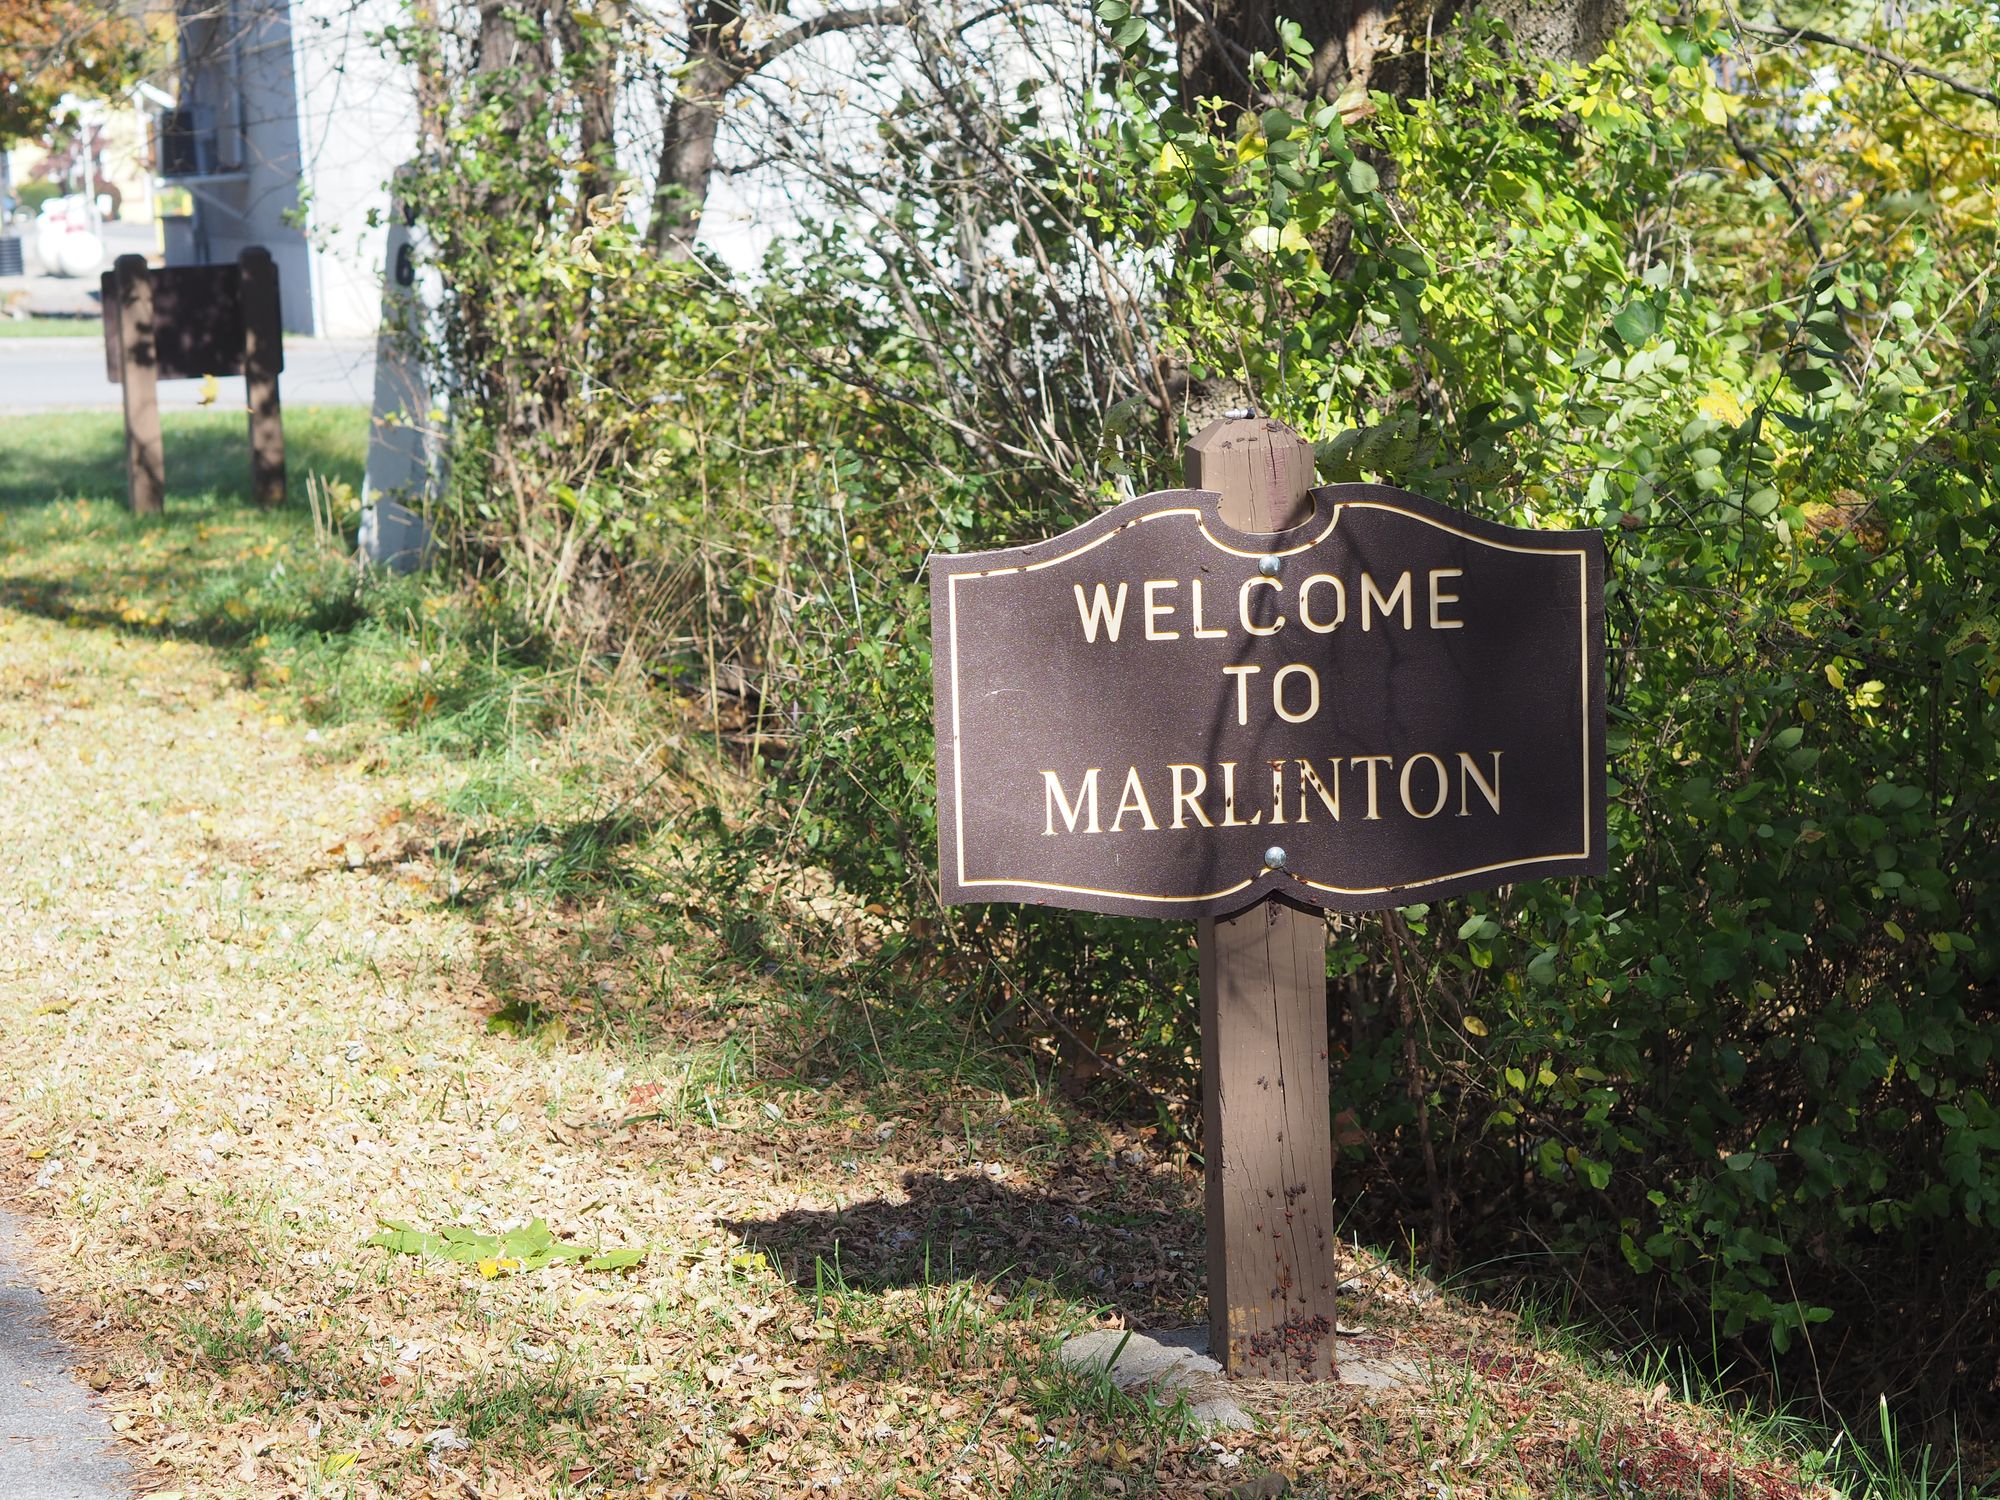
(145, 453)
(1267, 1134)
(262, 341)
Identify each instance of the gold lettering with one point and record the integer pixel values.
(1371, 761)
(1203, 632)
(1308, 777)
(1183, 798)
(1339, 604)
(1154, 609)
(1100, 610)
(1277, 791)
(1133, 800)
(1444, 786)
(1490, 790)
(1242, 676)
(1278, 693)
(1053, 798)
(1243, 605)
(1229, 818)
(1439, 599)
(1385, 607)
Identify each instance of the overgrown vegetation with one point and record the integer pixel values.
(1722, 289)
(350, 975)
(1719, 290)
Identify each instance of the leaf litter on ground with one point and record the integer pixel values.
(240, 1070)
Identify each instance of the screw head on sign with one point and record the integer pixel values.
(1274, 858)
(1270, 564)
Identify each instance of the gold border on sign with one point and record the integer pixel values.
(1583, 673)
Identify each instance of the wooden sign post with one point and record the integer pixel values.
(263, 358)
(129, 308)
(1250, 702)
(1267, 1135)
(183, 323)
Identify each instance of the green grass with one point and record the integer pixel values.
(52, 328)
(743, 1031)
(81, 456)
(334, 646)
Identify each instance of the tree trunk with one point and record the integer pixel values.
(593, 53)
(1217, 38)
(687, 148)
(1366, 44)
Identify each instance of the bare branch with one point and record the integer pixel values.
(855, 19)
(1900, 64)
(1756, 161)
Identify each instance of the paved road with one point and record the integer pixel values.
(55, 1442)
(65, 374)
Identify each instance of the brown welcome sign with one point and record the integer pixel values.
(1156, 714)
(1247, 702)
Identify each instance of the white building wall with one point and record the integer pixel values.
(357, 122)
(310, 119)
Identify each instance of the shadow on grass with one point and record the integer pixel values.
(572, 861)
(81, 455)
(1116, 1236)
(55, 599)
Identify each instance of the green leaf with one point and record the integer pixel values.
(1635, 323)
(614, 1260)
(1362, 179)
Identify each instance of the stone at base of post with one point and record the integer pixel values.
(262, 359)
(145, 454)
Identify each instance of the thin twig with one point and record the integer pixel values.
(1785, 33)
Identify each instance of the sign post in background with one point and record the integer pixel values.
(129, 318)
(184, 323)
(1250, 702)
(263, 358)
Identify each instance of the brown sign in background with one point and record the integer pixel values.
(1391, 702)
(198, 326)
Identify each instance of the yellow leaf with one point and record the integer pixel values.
(1713, 110)
(1721, 404)
(1293, 237)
